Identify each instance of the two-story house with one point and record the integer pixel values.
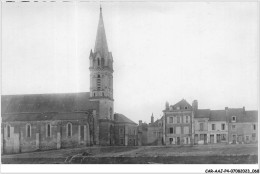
(243, 127)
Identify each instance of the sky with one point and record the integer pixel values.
(163, 51)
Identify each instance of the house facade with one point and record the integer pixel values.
(243, 126)
(178, 123)
(185, 124)
(152, 133)
(211, 126)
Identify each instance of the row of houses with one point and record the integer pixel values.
(185, 124)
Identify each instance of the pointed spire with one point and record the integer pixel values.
(101, 41)
(91, 53)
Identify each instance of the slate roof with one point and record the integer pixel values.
(243, 116)
(220, 115)
(44, 117)
(202, 113)
(40, 103)
(101, 41)
(120, 118)
(251, 116)
(182, 104)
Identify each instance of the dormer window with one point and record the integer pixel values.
(234, 118)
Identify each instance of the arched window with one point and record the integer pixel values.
(102, 62)
(98, 62)
(28, 130)
(94, 94)
(8, 131)
(48, 130)
(69, 130)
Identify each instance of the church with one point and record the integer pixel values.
(35, 122)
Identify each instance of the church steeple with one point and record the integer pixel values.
(101, 66)
(101, 41)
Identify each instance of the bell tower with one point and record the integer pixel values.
(101, 73)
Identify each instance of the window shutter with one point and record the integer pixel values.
(168, 130)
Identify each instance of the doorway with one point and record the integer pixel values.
(196, 139)
(234, 137)
(218, 138)
(205, 138)
(178, 140)
(211, 139)
(171, 140)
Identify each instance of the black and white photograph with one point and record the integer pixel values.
(130, 82)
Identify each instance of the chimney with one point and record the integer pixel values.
(140, 122)
(226, 112)
(167, 106)
(195, 104)
(244, 109)
(152, 119)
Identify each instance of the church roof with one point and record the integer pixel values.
(120, 118)
(44, 117)
(41, 103)
(101, 41)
